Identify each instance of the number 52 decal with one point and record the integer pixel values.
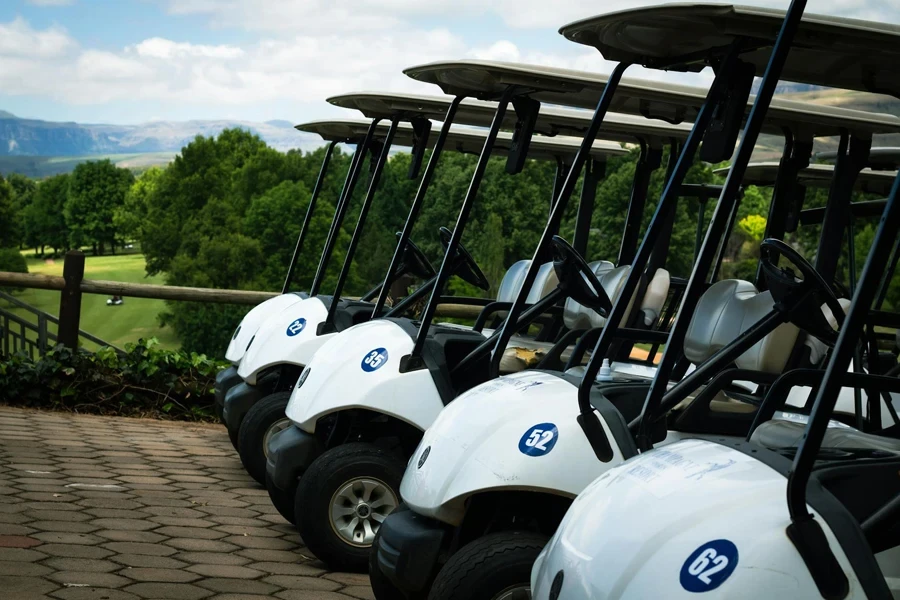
(539, 439)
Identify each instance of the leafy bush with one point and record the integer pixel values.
(145, 381)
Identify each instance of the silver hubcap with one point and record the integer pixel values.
(277, 426)
(359, 507)
(516, 591)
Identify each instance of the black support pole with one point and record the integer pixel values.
(417, 203)
(414, 360)
(328, 325)
(320, 180)
(356, 168)
(510, 325)
(697, 281)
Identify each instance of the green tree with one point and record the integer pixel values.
(129, 218)
(44, 218)
(9, 220)
(96, 189)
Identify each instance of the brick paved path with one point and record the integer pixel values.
(100, 508)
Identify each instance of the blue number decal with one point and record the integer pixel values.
(539, 440)
(296, 327)
(374, 359)
(709, 566)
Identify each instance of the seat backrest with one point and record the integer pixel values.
(727, 309)
(576, 316)
(544, 282)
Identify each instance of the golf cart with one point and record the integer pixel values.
(707, 515)
(281, 348)
(494, 474)
(247, 328)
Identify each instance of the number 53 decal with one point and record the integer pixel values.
(539, 439)
(374, 359)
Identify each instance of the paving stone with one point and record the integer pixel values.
(69, 526)
(82, 564)
(117, 503)
(131, 536)
(169, 591)
(160, 574)
(75, 551)
(178, 512)
(237, 586)
(195, 545)
(23, 569)
(21, 587)
(21, 554)
(127, 524)
(246, 541)
(93, 593)
(150, 562)
(18, 541)
(197, 533)
(212, 558)
(249, 531)
(56, 515)
(349, 578)
(306, 583)
(227, 571)
(139, 548)
(309, 595)
(288, 568)
(358, 591)
(108, 580)
(62, 537)
(264, 555)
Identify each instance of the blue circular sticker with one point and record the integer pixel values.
(709, 566)
(539, 440)
(296, 327)
(374, 359)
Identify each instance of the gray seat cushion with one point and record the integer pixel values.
(778, 434)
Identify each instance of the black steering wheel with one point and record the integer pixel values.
(576, 278)
(465, 266)
(414, 262)
(803, 295)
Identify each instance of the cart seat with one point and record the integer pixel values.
(778, 434)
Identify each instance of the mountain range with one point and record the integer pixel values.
(32, 137)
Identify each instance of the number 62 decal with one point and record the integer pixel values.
(539, 439)
(709, 566)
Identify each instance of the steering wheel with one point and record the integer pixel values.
(576, 278)
(786, 287)
(414, 262)
(465, 267)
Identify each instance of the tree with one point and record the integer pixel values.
(9, 221)
(129, 218)
(23, 192)
(96, 189)
(44, 218)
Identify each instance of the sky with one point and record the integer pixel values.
(133, 61)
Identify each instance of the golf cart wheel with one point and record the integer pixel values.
(343, 498)
(382, 587)
(233, 437)
(495, 567)
(282, 500)
(263, 420)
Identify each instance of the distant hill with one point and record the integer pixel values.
(32, 137)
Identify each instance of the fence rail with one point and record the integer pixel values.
(72, 285)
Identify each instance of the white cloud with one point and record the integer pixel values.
(17, 38)
(166, 49)
(51, 2)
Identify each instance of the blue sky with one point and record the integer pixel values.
(131, 61)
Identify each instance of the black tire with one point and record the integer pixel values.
(327, 475)
(282, 500)
(233, 437)
(483, 569)
(382, 587)
(257, 422)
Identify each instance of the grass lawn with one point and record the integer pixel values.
(136, 318)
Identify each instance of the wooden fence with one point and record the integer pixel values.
(72, 285)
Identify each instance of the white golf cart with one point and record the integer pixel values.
(707, 516)
(496, 471)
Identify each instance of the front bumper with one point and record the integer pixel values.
(225, 380)
(291, 451)
(408, 548)
(239, 400)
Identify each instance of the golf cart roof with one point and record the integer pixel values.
(551, 121)
(461, 139)
(672, 103)
(819, 176)
(881, 159)
(828, 51)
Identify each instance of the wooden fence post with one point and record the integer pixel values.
(70, 299)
